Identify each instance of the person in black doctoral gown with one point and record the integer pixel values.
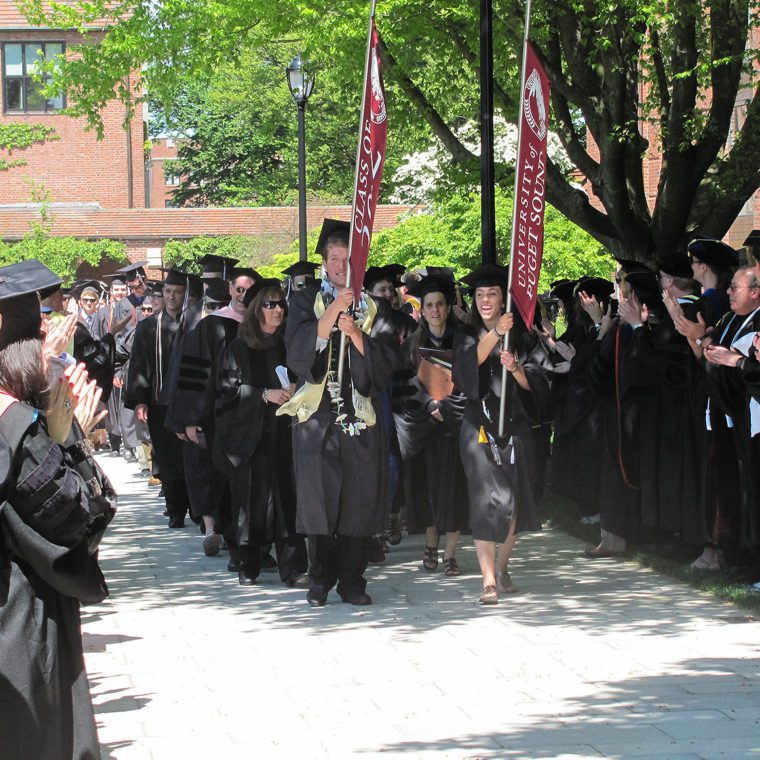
(340, 448)
(427, 426)
(499, 469)
(734, 518)
(47, 540)
(148, 369)
(257, 443)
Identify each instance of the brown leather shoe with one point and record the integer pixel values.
(489, 596)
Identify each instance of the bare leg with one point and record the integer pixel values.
(505, 550)
(209, 523)
(451, 544)
(431, 536)
(487, 560)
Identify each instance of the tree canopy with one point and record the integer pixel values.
(635, 76)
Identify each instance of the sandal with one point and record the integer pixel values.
(504, 583)
(489, 596)
(430, 558)
(451, 567)
(394, 530)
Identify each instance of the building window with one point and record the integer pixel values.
(171, 179)
(169, 203)
(21, 92)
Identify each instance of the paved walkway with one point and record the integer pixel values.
(591, 660)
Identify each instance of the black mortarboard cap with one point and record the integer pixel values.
(596, 287)
(714, 253)
(91, 285)
(265, 283)
(116, 279)
(431, 284)
(300, 268)
(442, 273)
(488, 274)
(134, 269)
(154, 288)
(677, 266)
(19, 299)
(753, 239)
(331, 227)
(217, 291)
(390, 272)
(245, 272)
(194, 286)
(563, 289)
(216, 266)
(175, 277)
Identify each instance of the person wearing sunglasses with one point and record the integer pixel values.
(256, 443)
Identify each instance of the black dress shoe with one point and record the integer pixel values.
(357, 598)
(268, 563)
(245, 578)
(300, 580)
(177, 522)
(233, 565)
(376, 552)
(315, 599)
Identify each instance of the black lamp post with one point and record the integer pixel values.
(301, 83)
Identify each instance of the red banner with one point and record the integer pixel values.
(370, 159)
(528, 227)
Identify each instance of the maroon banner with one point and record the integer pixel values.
(370, 159)
(530, 188)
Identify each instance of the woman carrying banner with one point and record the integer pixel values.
(499, 470)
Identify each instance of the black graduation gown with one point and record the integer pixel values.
(45, 572)
(148, 367)
(437, 486)
(577, 425)
(99, 357)
(735, 516)
(495, 489)
(258, 448)
(341, 480)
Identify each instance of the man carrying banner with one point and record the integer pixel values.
(339, 444)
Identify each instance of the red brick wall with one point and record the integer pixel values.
(77, 168)
(162, 149)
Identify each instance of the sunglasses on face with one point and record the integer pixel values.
(89, 300)
(240, 290)
(147, 309)
(213, 306)
(274, 304)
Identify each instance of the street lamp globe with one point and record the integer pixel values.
(300, 80)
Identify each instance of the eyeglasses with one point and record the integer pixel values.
(274, 304)
(240, 290)
(213, 306)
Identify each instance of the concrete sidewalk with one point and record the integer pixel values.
(592, 659)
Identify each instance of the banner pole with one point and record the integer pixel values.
(342, 349)
(508, 297)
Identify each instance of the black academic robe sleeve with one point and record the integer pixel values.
(242, 376)
(372, 372)
(139, 386)
(303, 358)
(98, 356)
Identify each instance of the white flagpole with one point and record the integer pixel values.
(508, 304)
(341, 357)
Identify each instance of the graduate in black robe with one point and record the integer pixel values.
(48, 538)
(499, 469)
(191, 400)
(196, 458)
(340, 447)
(148, 367)
(427, 428)
(734, 517)
(256, 443)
